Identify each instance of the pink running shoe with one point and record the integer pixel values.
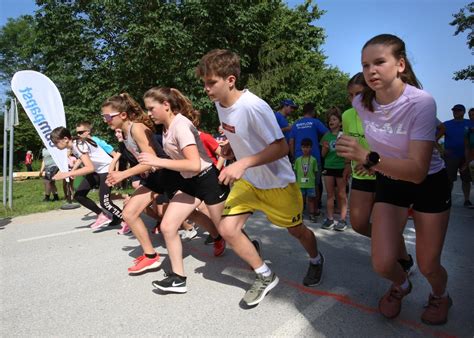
(144, 263)
(102, 221)
(124, 230)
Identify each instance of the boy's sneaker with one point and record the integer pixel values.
(436, 311)
(315, 273)
(102, 221)
(313, 218)
(260, 288)
(187, 235)
(171, 283)
(408, 265)
(219, 246)
(209, 240)
(124, 230)
(328, 224)
(391, 303)
(143, 263)
(340, 225)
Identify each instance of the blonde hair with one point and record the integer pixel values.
(125, 103)
(177, 101)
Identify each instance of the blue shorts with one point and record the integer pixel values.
(308, 192)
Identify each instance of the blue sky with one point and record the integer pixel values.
(432, 48)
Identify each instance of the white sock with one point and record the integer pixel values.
(405, 285)
(264, 270)
(316, 260)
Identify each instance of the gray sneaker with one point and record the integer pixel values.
(340, 226)
(328, 224)
(314, 274)
(187, 235)
(260, 288)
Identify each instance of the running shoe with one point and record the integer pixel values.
(315, 273)
(340, 225)
(328, 224)
(143, 263)
(260, 288)
(408, 265)
(102, 221)
(313, 218)
(436, 311)
(172, 283)
(209, 240)
(219, 246)
(391, 303)
(187, 235)
(124, 230)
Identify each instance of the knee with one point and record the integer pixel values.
(129, 215)
(300, 231)
(428, 269)
(168, 229)
(382, 266)
(228, 232)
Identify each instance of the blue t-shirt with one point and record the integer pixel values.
(308, 127)
(104, 145)
(283, 123)
(454, 137)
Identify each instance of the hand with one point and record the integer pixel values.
(41, 173)
(114, 178)
(349, 148)
(60, 176)
(233, 172)
(226, 150)
(346, 174)
(149, 159)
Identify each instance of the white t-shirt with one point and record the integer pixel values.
(99, 158)
(250, 126)
(180, 134)
(390, 128)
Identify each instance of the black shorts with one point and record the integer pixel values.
(453, 165)
(433, 195)
(333, 172)
(363, 185)
(206, 187)
(164, 181)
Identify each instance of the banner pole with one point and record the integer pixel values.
(12, 128)
(5, 154)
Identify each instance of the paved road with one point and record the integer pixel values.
(57, 278)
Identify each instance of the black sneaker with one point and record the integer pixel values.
(408, 265)
(172, 283)
(315, 273)
(209, 240)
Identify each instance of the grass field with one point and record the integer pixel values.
(28, 196)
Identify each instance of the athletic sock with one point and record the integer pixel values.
(264, 270)
(151, 256)
(316, 260)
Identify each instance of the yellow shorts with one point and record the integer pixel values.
(282, 206)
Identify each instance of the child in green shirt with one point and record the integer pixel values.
(306, 169)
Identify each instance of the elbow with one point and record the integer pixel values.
(420, 176)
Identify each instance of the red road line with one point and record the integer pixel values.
(344, 300)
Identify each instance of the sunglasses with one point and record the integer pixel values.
(109, 117)
(80, 132)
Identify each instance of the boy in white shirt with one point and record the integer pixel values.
(262, 176)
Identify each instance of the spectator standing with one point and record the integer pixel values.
(286, 108)
(29, 160)
(49, 169)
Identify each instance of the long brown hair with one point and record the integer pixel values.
(399, 52)
(125, 103)
(177, 101)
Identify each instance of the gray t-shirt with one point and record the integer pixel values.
(48, 159)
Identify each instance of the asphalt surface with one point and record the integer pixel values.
(58, 278)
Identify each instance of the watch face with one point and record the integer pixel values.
(374, 157)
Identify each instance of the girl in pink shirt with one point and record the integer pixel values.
(400, 125)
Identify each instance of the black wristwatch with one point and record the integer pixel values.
(372, 159)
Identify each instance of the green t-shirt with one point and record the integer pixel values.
(331, 160)
(352, 126)
(306, 169)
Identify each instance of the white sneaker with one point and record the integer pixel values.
(187, 235)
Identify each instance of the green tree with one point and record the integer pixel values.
(465, 22)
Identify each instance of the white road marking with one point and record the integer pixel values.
(52, 235)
